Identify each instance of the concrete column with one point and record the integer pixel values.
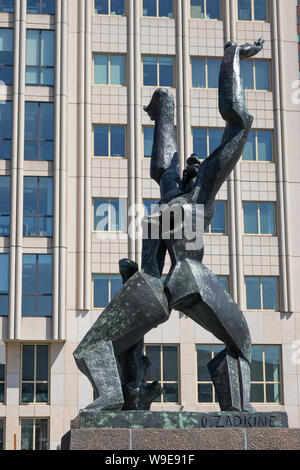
(179, 84)
(186, 78)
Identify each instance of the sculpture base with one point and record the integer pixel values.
(147, 430)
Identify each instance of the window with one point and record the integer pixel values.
(150, 205)
(38, 199)
(205, 141)
(148, 133)
(206, 9)
(252, 10)
(1, 434)
(46, 7)
(5, 129)
(158, 71)
(109, 141)
(163, 8)
(4, 284)
(224, 281)
(37, 286)
(164, 369)
(34, 434)
(261, 293)
(265, 374)
(39, 57)
(35, 373)
(259, 146)
(218, 224)
(4, 206)
(2, 376)
(259, 218)
(6, 55)
(205, 72)
(109, 7)
(105, 288)
(109, 69)
(39, 131)
(7, 6)
(256, 74)
(110, 215)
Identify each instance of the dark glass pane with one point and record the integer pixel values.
(150, 71)
(28, 363)
(1, 399)
(200, 142)
(46, 151)
(31, 120)
(30, 195)
(101, 214)
(250, 217)
(264, 146)
(45, 228)
(46, 121)
(47, 76)
(197, 9)
(249, 153)
(153, 353)
(42, 362)
(29, 274)
(213, 9)
(101, 69)
(6, 74)
(257, 393)
(148, 141)
(205, 393)
(6, 49)
(272, 363)
(166, 8)
(100, 291)
(4, 271)
(45, 306)
(117, 70)
(41, 393)
(245, 10)
(217, 350)
(101, 7)
(215, 138)
(170, 394)
(45, 274)
(45, 196)
(213, 70)
(27, 433)
(2, 372)
(27, 393)
(198, 73)
(101, 141)
(218, 224)
(270, 294)
(7, 6)
(260, 10)
(224, 281)
(5, 149)
(118, 215)
(115, 285)
(247, 74)
(31, 151)
(32, 76)
(41, 434)
(117, 7)
(267, 218)
(4, 226)
(30, 227)
(253, 293)
(29, 306)
(149, 7)
(41, 7)
(257, 364)
(170, 363)
(117, 141)
(273, 393)
(262, 74)
(204, 355)
(1, 434)
(3, 305)
(4, 195)
(5, 120)
(150, 206)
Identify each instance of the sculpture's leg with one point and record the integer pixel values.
(139, 306)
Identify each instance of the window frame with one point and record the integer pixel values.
(253, 13)
(262, 309)
(109, 54)
(109, 141)
(8, 139)
(4, 382)
(34, 419)
(36, 294)
(109, 288)
(198, 382)
(162, 381)
(13, 7)
(206, 58)
(109, 9)
(3, 419)
(9, 214)
(40, 12)
(34, 381)
(205, 13)
(143, 141)
(259, 234)
(209, 232)
(157, 11)
(207, 129)
(37, 217)
(109, 216)
(256, 147)
(40, 67)
(8, 282)
(39, 140)
(157, 56)
(12, 64)
(254, 61)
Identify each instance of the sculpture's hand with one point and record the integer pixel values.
(250, 50)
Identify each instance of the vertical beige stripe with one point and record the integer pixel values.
(179, 84)
(186, 78)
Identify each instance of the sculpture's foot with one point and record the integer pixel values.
(100, 405)
(161, 99)
(249, 408)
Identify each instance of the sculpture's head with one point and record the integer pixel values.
(192, 168)
(229, 44)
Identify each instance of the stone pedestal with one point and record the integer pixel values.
(146, 430)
